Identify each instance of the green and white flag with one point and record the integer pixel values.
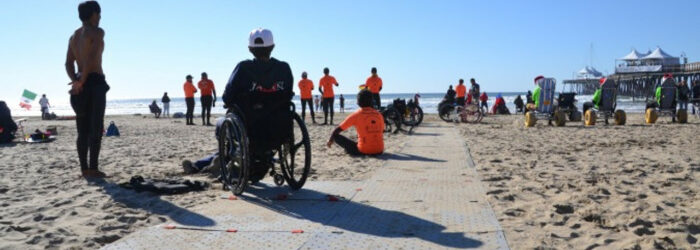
(27, 98)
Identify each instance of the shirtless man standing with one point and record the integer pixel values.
(88, 93)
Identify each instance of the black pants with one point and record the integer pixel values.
(311, 109)
(89, 107)
(376, 100)
(206, 108)
(460, 101)
(189, 116)
(485, 104)
(327, 104)
(350, 146)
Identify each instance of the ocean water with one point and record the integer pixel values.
(428, 102)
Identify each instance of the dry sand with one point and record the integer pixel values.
(603, 187)
(46, 204)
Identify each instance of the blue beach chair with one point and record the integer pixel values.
(546, 109)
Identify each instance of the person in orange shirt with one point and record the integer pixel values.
(189, 99)
(368, 123)
(461, 92)
(207, 87)
(305, 87)
(374, 83)
(325, 86)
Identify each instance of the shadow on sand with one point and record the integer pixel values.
(153, 204)
(406, 157)
(358, 217)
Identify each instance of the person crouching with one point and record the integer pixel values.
(368, 123)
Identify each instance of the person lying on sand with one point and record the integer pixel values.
(369, 124)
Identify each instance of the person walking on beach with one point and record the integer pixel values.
(89, 88)
(317, 100)
(325, 86)
(461, 93)
(166, 104)
(484, 101)
(374, 84)
(305, 87)
(189, 99)
(368, 123)
(206, 87)
(44, 102)
(342, 103)
(474, 91)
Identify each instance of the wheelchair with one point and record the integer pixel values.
(607, 108)
(666, 105)
(546, 110)
(292, 163)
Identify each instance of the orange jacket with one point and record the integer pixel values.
(189, 90)
(461, 90)
(326, 85)
(374, 83)
(305, 87)
(369, 124)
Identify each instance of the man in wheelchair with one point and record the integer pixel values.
(259, 92)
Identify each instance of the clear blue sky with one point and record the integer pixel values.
(418, 46)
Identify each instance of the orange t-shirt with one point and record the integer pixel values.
(305, 87)
(326, 84)
(369, 124)
(189, 89)
(461, 90)
(374, 83)
(206, 86)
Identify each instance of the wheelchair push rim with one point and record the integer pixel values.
(234, 158)
(295, 155)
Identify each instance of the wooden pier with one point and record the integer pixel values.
(638, 84)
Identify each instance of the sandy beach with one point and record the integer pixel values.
(46, 204)
(603, 187)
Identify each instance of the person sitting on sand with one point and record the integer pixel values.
(519, 104)
(155, 109)
(8, 127)
(499, 106)
(596, 97)
(368, 123)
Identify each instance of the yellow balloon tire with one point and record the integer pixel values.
(620, 117)
(530, 119)
(589, 118)
(682, 116)
(651, 115)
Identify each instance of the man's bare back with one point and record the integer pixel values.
(85, 49)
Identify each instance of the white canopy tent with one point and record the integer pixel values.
(588, 73)
(658, 56)
(633, 56)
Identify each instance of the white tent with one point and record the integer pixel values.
(589, 72)
(633, 56)
(659, 56)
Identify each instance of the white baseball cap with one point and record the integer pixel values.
(260, 38)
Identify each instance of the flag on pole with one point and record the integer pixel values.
(27, 98)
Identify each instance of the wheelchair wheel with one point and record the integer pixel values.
(446, 112)
(413, 117)
(682, 116)
(651, 115)
(559, 118)
(295, 155)
(471, 114)
(589, 118)
(620, 117)
(234, 157)
(392, 120)
(530, 119)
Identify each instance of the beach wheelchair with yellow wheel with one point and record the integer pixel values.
(546, 109)
(665, 104)
(606, 107)
(275, 142)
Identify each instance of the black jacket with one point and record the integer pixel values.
(165, 99)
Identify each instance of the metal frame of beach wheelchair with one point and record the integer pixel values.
(666, 105)
(546, 110)
(566, 102)
(607, 107)
(235, 153)
(399, 114)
